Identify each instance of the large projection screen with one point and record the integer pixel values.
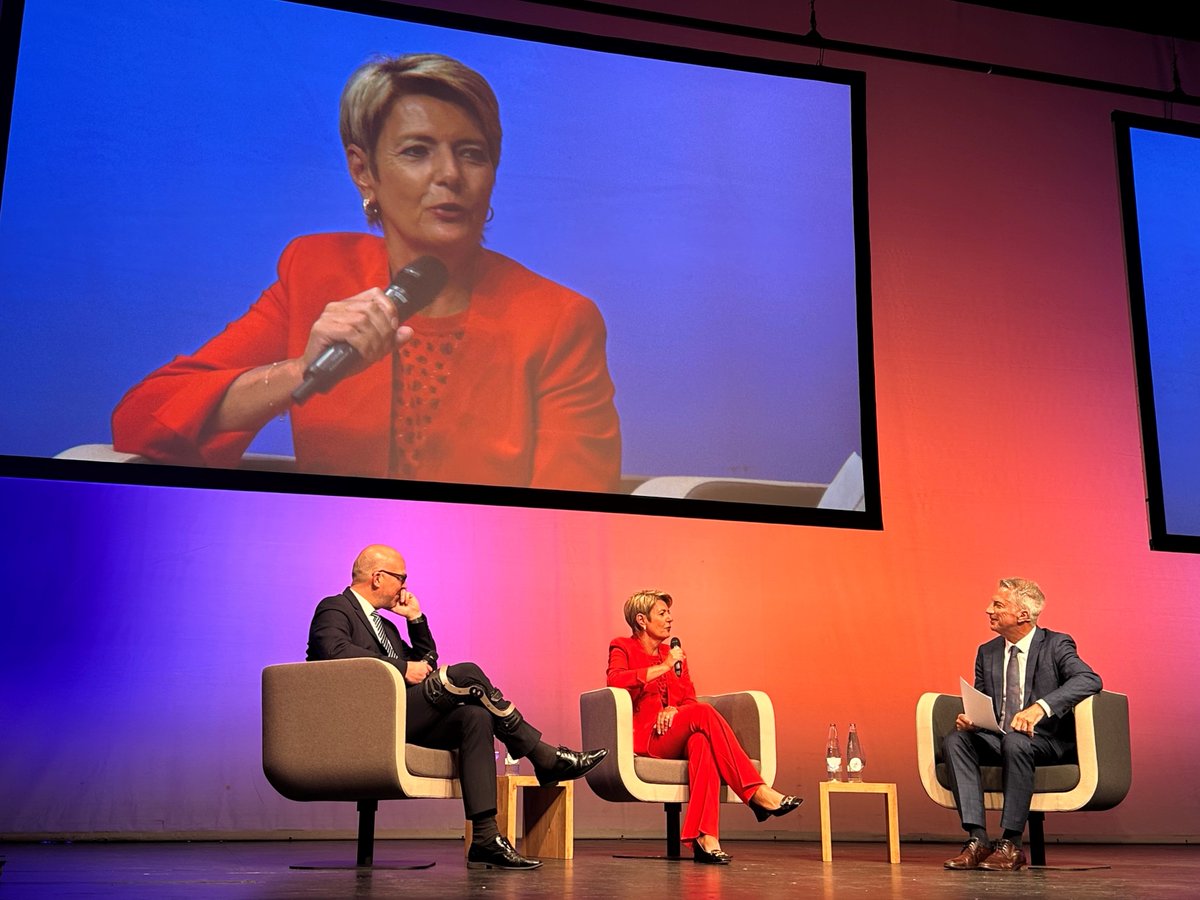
(161, 156)
(1159, 164)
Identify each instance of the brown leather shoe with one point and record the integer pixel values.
(973, 853)
(1007, 857)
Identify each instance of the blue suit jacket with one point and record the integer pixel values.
(1054, 673)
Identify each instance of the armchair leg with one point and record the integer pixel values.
(673, 842)
(1037, 839)
(366, 831)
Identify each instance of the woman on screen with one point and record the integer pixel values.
(670, 723)
(501, 379)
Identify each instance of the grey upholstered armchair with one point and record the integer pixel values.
(1098, 779)
(334, 730)
(606, 717)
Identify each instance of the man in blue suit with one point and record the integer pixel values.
(1035, 679)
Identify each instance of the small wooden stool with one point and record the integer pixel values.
(861, 787)
(549, 816)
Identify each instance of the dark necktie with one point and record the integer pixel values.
(377, 624)
(1012, 689)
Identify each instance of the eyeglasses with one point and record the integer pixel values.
(401, 577)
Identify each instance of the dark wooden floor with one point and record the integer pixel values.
(760, 869)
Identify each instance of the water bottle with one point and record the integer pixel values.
(833, 755)
(855, 760)
(511, 766)
(505, 764)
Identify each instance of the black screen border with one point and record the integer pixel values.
(1160, 537)
(871, 518)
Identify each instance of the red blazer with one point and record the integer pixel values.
(627, 665)
(529, 403)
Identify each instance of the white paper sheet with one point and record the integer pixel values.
(978, 707)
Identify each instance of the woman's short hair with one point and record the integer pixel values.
(375, 86)
(641, 603)
(1027, 593)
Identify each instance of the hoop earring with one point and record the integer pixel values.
(491, 215)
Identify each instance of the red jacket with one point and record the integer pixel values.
(530, 402)
(627, 665)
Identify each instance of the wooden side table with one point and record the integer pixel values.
(861, 787)
(549, 816)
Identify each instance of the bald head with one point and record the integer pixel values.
(373, 559)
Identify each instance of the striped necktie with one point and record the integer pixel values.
(1012, 689)
(377, 624)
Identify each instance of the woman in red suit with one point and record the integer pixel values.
(502, 379)
(670, 723)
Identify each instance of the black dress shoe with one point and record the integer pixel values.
(569, 765)
(786, 805)
(717, 857)
(498, 854)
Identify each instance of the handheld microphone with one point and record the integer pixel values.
(679, 664)
(413, 288)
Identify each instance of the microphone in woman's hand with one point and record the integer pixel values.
(414, 287)
(678, 663)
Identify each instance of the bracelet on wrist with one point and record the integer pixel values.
(271, 404)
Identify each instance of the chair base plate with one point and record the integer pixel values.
(662, 856)
(390, 864)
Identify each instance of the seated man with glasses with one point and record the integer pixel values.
(453, 707)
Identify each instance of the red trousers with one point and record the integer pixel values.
(699, 734)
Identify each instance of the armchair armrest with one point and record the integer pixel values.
(99, 453)
(935, 717)
(258, 462)
(752, 717)
(606, 720)
(335, 730)
(742, 490)
(1102, 741)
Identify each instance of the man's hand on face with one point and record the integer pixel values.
(406, 604)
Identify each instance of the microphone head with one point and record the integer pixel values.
(415, 286)
(674, 642)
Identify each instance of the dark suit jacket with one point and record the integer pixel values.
(340, 630)
(1054, 673)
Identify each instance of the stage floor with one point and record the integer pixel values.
(760, 869)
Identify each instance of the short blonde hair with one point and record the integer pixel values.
(641, 603)
(374, 88)
(1027, 593)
